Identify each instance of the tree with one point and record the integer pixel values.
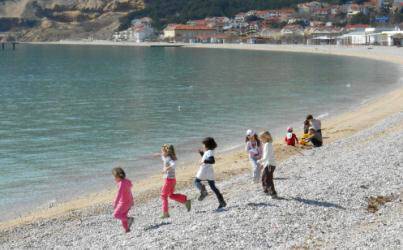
(360, 18)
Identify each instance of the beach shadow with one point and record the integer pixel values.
(260, 204)
(280, 198)
(318, 203)
(156, 226)
(280, 178)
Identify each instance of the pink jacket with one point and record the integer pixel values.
(124, 196)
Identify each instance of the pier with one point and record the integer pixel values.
(5, 45)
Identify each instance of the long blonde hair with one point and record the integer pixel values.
(266, 136)
(170, 150)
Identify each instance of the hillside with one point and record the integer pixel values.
(50, 20)
(47, 20)
(179, 11)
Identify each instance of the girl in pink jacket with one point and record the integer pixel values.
(124, 198)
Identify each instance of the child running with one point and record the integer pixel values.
(168, 158)
(206, 172)
(291, 139)
(124, 198)
(269, 164)
(254, 149)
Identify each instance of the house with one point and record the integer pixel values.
(263, 14)
(363, 36)
(240, 17)
(353, 38)
(308, 8)
(140, 30)
(186, 33)
(334, 10)
(323, 35)
(292, 34)
(286, 13)
(398, 39)
(270, 34)
(197, 22)
(292, 29)
(382, 35)
(385, 38)
(320, 12)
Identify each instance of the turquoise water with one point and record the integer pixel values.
(70, 113)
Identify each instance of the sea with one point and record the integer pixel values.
(69, 114)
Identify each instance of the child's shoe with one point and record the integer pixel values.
(130, 222)
(222, 205)
(165, 215)
(203, 193)
(188, 205)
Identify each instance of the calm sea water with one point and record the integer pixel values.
(69, 114)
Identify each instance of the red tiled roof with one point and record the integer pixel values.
(356, 26)
(262, 12)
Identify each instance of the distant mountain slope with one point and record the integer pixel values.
(44, 20)
(172, 11)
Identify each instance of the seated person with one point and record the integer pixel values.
(315, 138)
(290, 139)
(306, 133)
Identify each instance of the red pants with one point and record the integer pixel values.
(120, 213)
(168, 191)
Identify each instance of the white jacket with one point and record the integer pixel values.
(268, 155)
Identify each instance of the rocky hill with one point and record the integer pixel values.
(49, 20)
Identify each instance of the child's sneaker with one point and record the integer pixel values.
(165, 215)
(188, 205)
(222, 205)
(203, 195)
(130, 222)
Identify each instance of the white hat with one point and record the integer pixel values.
(250, 132)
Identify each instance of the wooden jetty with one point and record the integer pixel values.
(5, 45)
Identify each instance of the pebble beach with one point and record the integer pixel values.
(323, 203)
(346, 194)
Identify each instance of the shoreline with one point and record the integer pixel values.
(351, 122)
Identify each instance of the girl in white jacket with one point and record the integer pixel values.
(268, 163)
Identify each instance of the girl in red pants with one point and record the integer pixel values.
(168, 158)
(124, 199)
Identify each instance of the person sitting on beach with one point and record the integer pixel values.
(290, 138)
(269, 164)
(306, 133)
(315, 123)
(124, 198)
(315, 138)
(168, 158)
(254, 150)
(206, 172)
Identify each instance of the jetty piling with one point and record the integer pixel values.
(4, 45)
